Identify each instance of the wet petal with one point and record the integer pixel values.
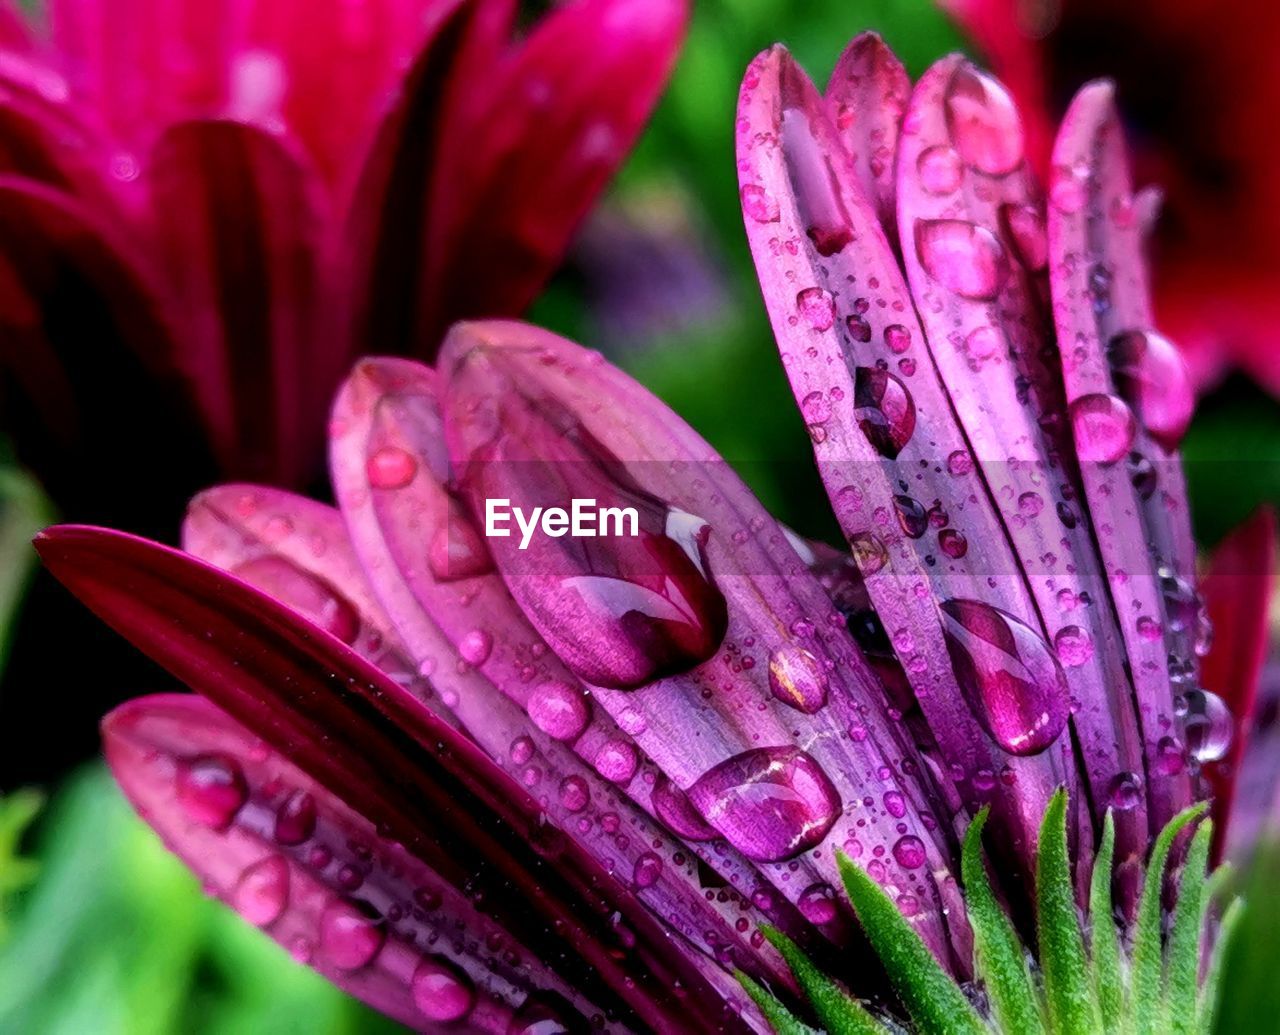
(295, 860)
(897, 467)
(345, 723)
(1100, 297)
(242, 262)
(786, 816)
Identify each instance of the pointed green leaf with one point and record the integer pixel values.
(839, 1013)
(1104, 938)
(1211, 991)
(1182, 958)
(1144, 991)
(933, 999)
(1072, 1007)
(17, 811)
(1001, 961)
(780, 1019)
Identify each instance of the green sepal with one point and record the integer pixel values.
(1209, 1001)
(1104, 939)
(1001, 960)
(1182, 955)
(839, 1012)
(1145, 978)
(1072, 1007)
(934, 1001)
(780, 1019)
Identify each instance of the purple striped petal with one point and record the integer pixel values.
(899, 471)
(1100, 305)
(294, 859)
(345, 724)
(998, 365)
(782, 740)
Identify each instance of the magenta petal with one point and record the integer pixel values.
(295, 860)
(786, 674)
(867, 96)
(897, 466)
(1138, 506)
(242, 260)
(343, 722)
(1001, 378)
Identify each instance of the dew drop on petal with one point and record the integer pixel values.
(211, 789)
(962, 257)
(617, 761)
(818, 903)
(1012, 681)
(952, 543)
(1104, 428)
(391, 468)
(1125, 791)
(647, 870)
(1209, 725)
(983, 122)
(940, 169)
(913, 519)
(349, 937)
(1026, 229)
(295, 819)
(262, 891)
(759, 204)
(817, 308)
(770, 803)
(1153, 379)
(910, 852)
(309, 595)
(559, 710)
(457, 552)
(798, 679)
(673, 807)
(884, 409)
(1073, 646)
(475, 647)
(440, 991)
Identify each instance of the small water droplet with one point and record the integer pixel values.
(952, 543)
(797, 679)
(884, 409)
(962, 257)
(295, 819)
(617, 761)
(1025, 227)
(897, 338)
(910, 852)
(759, 204)
(391, 468)
(457, 551)
(1125, 791)
(1153, 379)
(441, 992)
(475, 647)
(1073, 645)
(817, 307)
(1104, 428)
(913, 519)
(262, 891)
(647, 870)
(1209, 725)
(818, 903)
(211, 789)
(559, 710)
(349, 936)
(575, 794)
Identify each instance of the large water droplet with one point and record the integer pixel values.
(391, 468)
(1209, 725)
(1104, 428)
(617, 761)
(349, 937)
(884, 409)
(1152, 377)
(770, 803)
(952, 543)
(940, 169)
(262, 891)
(910, 852)
(818, 903)
(817, 195)
(817, 308)
(913, 519)
(457, 551)
(673, 807)
(647, 870)
(211, 789)
(984, 122)
(1125, 791)
(560, 710)
(1025, 226)
(441, 992)
(798, 679)
(309, 595)
(1011, 679)
(759, 204)
(962, 257)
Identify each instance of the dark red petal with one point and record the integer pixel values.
(1237, 588)
(294, 859)
(239, 227)
(345, 724)
(92, 395)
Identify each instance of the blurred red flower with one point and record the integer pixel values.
(1199, 87)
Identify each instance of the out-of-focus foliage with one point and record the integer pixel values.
(17, 811)
(117, 939)
(1251, 994)
(24, 510)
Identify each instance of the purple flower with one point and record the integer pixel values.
(493, 779)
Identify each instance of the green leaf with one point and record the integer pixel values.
(24, 510)
(1207, 1008)
(1104, 942)
(1144, 990)
(839, 1013)
(1182, 957)
(1001, 961)
(1072, 1007)
(17, 811)
(780, 1019)
(933, 999)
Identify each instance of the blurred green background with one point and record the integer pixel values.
(102, 932)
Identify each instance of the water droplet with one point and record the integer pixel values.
(759, 204)
(984, 343)
(1073, 645)
(817, 308)
(1125, 791)
(617, 761)
(575, 795)
(1025, 227)
(672, 806)
(1142, 473)
(984, 122)
(559, 710)
(475, 647)
(647, 870)
(797, 679)
(295, 819)
(940, 169)
(391, 468)
(770, 803)
(1171, 759)
(457, 551)
(952, 543)
(1011, 679)
(818, 199)
(1153, 378)
(349, 937)
(910, 852)
(960, 462)
(1104, 428)
(962, 257)
(211, 789)
(912, 516)
(309, 595)
(818, 903)
(869, 553)
(884, 409)
(262, 891)
(441, 992)
(1209, 725)
(897, 338)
